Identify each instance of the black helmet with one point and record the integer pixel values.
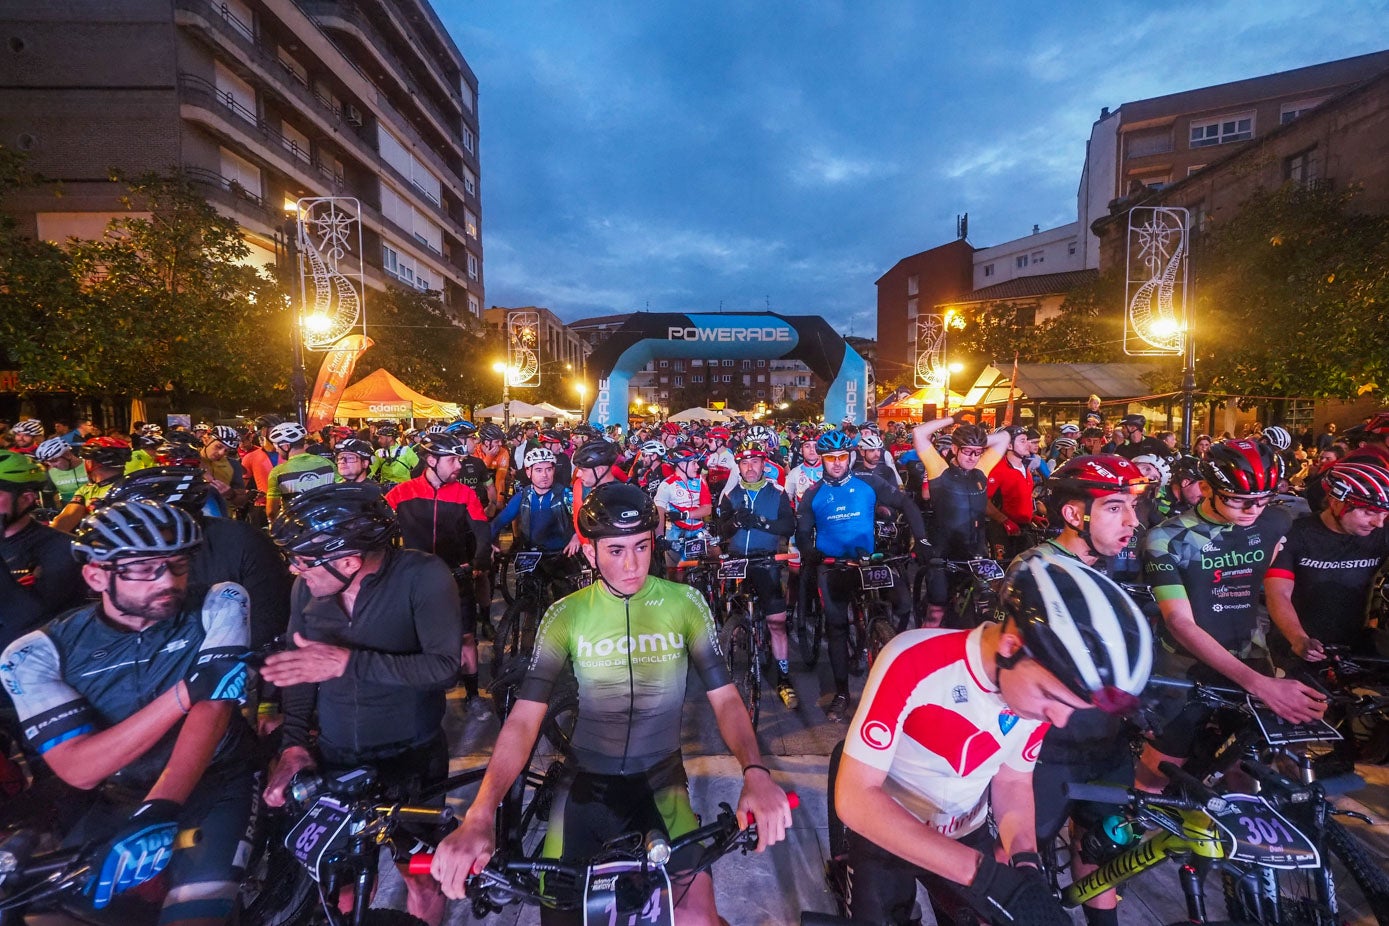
(1186, 468)
(354, 445)
(442, 445)
(184, 486)
(1134, 421)
(267, 421)
(616, 509)
(1242, 467)
(135, 528)
(1082, 627)
(491, 431)
(340, 518)
(969, 435)
(596, 452)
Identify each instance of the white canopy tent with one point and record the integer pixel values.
(700, 414)
(519, 411)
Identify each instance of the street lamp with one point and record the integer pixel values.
(581, 389)
(505, 370)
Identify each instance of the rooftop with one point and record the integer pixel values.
(1042, 284)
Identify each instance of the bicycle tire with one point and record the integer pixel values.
(736, 640)
(880, 634)
(810, 629)
(508, 643)
(506, 577)
(1360, 887)
(857, 640)
(558, 725)
(1359, 861)
(287, 892)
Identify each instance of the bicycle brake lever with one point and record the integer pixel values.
(1353, 814)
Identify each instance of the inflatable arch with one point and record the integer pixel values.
(646, 336)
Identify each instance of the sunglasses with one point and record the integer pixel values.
(834, 457)
(147, 570)
(304, 563)
(970, 452)
(1244, 504)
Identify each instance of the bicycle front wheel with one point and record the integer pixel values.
(810, 627)
(880, 633)
(741, 650)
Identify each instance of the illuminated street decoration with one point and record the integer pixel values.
(522, 356)
(1155, 319)
(331, 283)
(930, 351)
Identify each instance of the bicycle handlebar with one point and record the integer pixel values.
(729, 557)
(1127, 797)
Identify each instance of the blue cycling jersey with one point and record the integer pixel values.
(841, 516)
(544, 519)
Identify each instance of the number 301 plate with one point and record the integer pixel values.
(875, 576)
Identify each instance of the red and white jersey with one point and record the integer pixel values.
(683, 495)
(720, 459)
(931, 720)
(802, 477)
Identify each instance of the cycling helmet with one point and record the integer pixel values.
(1242, 467)
(1080, 626)
(20, 472)
(616, 509)
(585, 429)
(750, 452)
(442, 445)
(1361, 484)
(870, 442)
(684, 453)
(320, 449)
(184, 486)
(461, 428)
(105, 451)
(969, 435)
(943, 443)
(143, 527)
(551, 436)
(1070, 430)
(670, 427)
(1186, 469)
(437, 429)
(267, 421)
(539, 455)
(1097, 475)
(150, 429)
(491, 432)
(654, 447)
(1134, 421)
(30, 427)
(388, 430)
(51, 449)
(1014, 431)
(226, 435)
(719, 433)
(178, 452)
(833, 442)
(761, 435)
(1065, 443)
(1158, 462)
(341, 432)
(287, 433)
(353, 445)
(594, 453)
(1278, 437)
(202, 427)
(345, 517)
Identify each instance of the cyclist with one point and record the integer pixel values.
(1205, 568)
(683, 502)
(540, 516)
(26, 435)
(719, 462)
(947, 734)
(959, 499)
(801, 477)
(220, 459)
(1094, 498)
(440, 515)
(1010, 507)
(353, 457)
(231, 551)
(66, 474)
(395, 462)
(595, 464)
(836, 518)
(631, 639)
(757, 518)
(650, 469)
(492, 451)
(553, 440)
(870, 460)
(135, 695)
(376, 634)
(298, 471)
(105, 459)
(1319, 583)
(1092, 441)
(473, 472)
(39, 579)
(1184, 489)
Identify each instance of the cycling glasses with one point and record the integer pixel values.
(147, 570)
(1244, 503)
(305, 563)
(836, 456)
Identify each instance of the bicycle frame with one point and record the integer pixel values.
(1200, 839)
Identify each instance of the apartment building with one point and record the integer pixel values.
(913, 287)
(259, 103)
(560, 349)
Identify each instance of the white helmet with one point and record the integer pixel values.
(539, 455)
(1278, 437)
(288, 432)
(51, 449)
(870, 442)
(1159, 463)
(654, 447)
(32, 427)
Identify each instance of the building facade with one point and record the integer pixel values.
(910, 289)
(560, 349)
(259, 103)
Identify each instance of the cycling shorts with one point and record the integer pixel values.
(766, 585)
(882, 887)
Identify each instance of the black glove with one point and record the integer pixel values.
(744, 518)
(216, 678)
(1014, 896)
(138, 851)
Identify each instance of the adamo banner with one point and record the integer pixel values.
(338, 363)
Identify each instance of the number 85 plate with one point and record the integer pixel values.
(317, 831)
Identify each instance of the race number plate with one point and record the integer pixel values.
(733, 569)
(584, 579)
(695, 548)
(526, 562)
(875, 576)
(1255, 832)
(623, 894)
(320, 829)
(1279, 731)
(886, 530)
(986, 570)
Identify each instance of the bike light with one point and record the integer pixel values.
(657, 849)
(304, 787)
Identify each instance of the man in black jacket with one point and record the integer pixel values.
(39, 579)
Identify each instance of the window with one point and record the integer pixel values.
(988, 270)
(394, 153)
(761, 393)
(395, 207)
(680, 366)
(239, 16)
(698, 378)
(1290, 111)
(404, 268)
(747, 364)
(234, 93)
(913, 307)
(913, 285)
(1301, 168)
(473, 273)
(1026, 316)
(1144, 144)
(727, 378)
(469, 140)
(470, 223)
(761, 378)
(665, 380)
(727, 363)
(469, 182)
(293, 67)
(696, 363)
(1193, 169)
(761, 364)
(1038, 256)
(747, 380)
(474, 306)
(664, 364)
(295, 142)
(1239, 127)
(1021, 261)
(238, 170)
(469, 97)
(680, 381)
(1071, 249)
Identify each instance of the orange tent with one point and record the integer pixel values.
(381, 395)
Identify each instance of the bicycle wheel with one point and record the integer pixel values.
(1363, 873)
(505, 577)
(739, 649)
(858, 639)
(880, 633)
(810, 628)
(510, 641)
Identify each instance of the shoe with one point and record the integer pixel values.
(838, 711)
(858, 663)
(787, 693)
(477, 708)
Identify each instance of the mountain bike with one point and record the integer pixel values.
(743, 634)
(541, 578)
(809, 622)
(973, 585)
(871, 622)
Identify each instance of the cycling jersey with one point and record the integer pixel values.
(931, 720)
(90, 492)
(474, 473)
(500, 464)
(258, 464)
(767, 501)
(139, 459)
(394, 464)
(78, 674)
(66, 482)
(838, 520)
(299, 473)
(631, 658)
(39, 581)
(883, 470)
(1331, 575)
(683, 495)
(543, 522)
(801, 478)
(1010, 489)
(1217, 566)
(234, 551)
(405, 632)
(448, 521)
(958, 499)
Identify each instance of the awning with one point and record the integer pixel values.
(381, 395)
(520, 411)
(1059, 383)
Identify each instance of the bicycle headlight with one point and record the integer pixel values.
(657, 849)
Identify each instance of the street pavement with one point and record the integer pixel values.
(776, 886)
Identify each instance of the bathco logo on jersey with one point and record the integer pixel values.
(675, 333)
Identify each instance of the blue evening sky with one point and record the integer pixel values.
(683, 156)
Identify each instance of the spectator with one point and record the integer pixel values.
(1327, 437)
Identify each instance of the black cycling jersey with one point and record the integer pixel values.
(883, 471)
(958, 500)
(405, 633)
(476, 475)
(40, 580)
(1331, 575)
(79, 673)
(234, 551)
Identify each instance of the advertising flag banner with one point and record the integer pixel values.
(338, 363)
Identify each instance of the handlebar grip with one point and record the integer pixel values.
(1162, 681)
(1187, 781)
(420, 863)
(429, 815)
(1097, 794)
(792, 798)
(1269, 778)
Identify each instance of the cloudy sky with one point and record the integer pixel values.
(749, 154)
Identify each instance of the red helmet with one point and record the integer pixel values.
(750, 452)
(670, 427)
(1361, 484)
(1098, 475)
(719, 434)
(1242, 467)
(105, 451)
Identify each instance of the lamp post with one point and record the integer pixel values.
(582, 390)
(505, 370)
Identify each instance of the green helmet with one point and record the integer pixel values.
(20, 472)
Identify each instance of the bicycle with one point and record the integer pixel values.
(628, 880)
(973, 591)
(538, 584)
(871, 624)
(809, 623)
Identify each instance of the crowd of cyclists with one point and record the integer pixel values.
(180, 604)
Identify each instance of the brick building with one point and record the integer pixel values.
(912, 287)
